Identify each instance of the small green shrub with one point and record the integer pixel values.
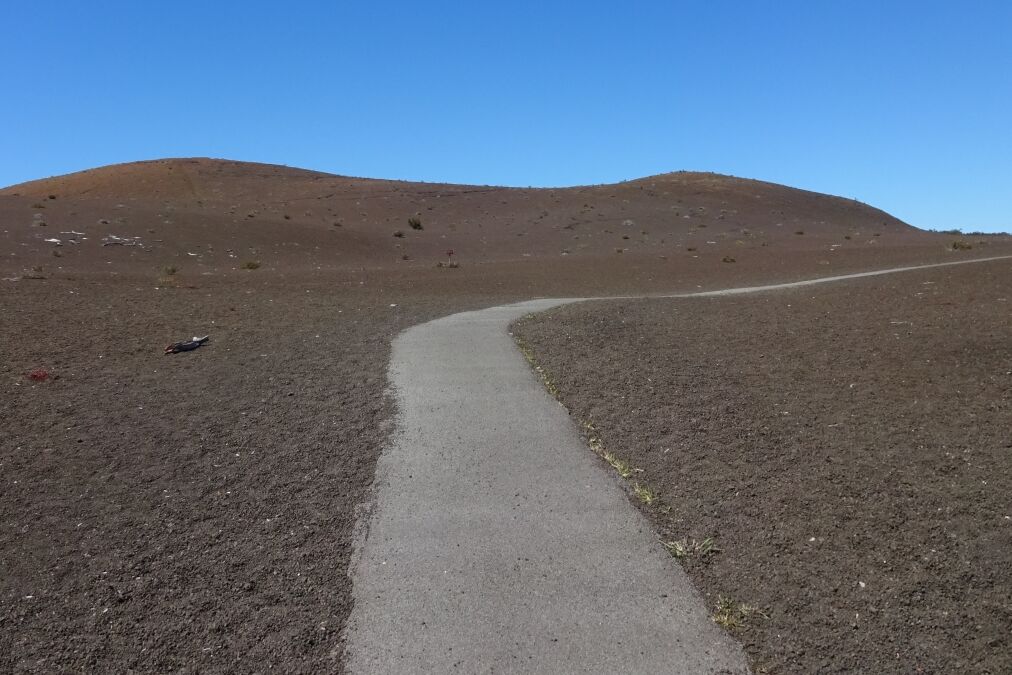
(415, 222)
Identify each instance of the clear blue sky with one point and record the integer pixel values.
(905, 105)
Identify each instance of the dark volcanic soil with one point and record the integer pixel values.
(194, 512)
(848, 448)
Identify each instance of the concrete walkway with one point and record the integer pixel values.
(497, 542)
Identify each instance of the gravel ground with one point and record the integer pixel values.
(195, 511)
(846, 447)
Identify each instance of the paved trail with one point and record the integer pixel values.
(497, 542)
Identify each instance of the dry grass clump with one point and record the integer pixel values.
(731, 615)
(645, 494)
(689, 548)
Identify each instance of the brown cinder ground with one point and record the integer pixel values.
(195, 511)
(846, 447)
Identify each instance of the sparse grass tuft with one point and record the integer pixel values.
(542, 374)
(399, 234)
(961, 245)
(251, 265)
(688, 548)
(595, 442)
(731, 615)
(415, 222)
(169, 270)
(620, 465)
(645, 494)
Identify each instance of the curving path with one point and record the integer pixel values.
(497, 542)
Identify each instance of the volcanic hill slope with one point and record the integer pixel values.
(211, 215)
(196, 512)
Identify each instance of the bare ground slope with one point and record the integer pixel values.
(847, 448)
(210, 216)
